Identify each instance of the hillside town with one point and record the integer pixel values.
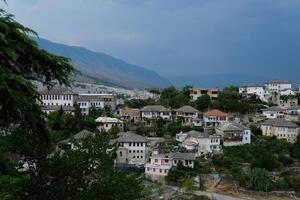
(146, 142)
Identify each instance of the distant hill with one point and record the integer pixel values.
(104, 69)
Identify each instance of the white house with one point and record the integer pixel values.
(255, 89)
(107, 123)
(215, 117)
(190, 115)
(57, 96)
(132, 149)
(160, 164)
(287, 92)
(200, 143)
(281, 129)
(273, 112)
(234, 134)
(155, 111)
(278, 85)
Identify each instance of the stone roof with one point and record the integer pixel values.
(56, 90)
(183, 156)
(108, 120)
(155, 108)
(252, 85)
(130, 137)
(280, 122)
(215, 112)
(187, 109)
(273, 108)
(232, 126)
(56, 108)
(83, 134)
(278, 81)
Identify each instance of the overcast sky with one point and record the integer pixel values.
(175, 37)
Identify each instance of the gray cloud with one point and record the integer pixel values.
(175, 36)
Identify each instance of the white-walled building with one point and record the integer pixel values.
(287, 92)
(189, 115)
(200, 143)
(234, 134)
(273, 112)
(255, 89)
(278, 85)
(107, 123)
(281, 129)
(132, 149)
(214, 118)
(57, 96)
(160, 164)
(156, 111)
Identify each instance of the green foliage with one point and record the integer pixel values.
(139, 103)
(255, 129)
(259, 180)
(203, 102)
(171, 97)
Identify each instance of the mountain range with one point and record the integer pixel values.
(100, 68)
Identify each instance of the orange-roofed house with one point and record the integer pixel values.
(215, 118)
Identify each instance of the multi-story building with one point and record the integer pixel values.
(189, 115)
(278, 85)
(199, 143)
(105, 124)
(195, 93)
(156, 111)
(160, 164)
(281, 129)
(288, 102)
(255, 89)
(57, 96)
(273, 112)
(234, 134)
(214, 118)
(132, 149)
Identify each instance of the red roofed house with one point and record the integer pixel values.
(215, 117)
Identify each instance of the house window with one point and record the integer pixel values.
(129, 151)
(160, 171)
(156, 160)
(130, 144)
(121, 153)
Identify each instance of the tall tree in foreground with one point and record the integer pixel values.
(24, 136)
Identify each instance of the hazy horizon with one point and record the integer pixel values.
(173, 37)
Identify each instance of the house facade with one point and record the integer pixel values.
(132, 149)
(105, 124)
(156, 111)
(255, 89)
(278, 85)
(281, 129)
(215, 118)
(190, 116)
(199, 143)
(160, 164)
(234, 134)
(57, 96)
(195, 93)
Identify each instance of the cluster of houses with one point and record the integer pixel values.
(62, 97)
(221, 129)
(272, 91)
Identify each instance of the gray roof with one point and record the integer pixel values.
(280, 122)
(232, 126)
(56, 108)
(187, 109)
(197, 134)
(252, 85)
(155, 108)
(183, 156)
(273, 108)
(56, 90)
(92, 97)
(278, 81)
(130, 137)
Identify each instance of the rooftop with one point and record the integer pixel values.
(187, 109)
(108, 120)
(215, 112)
(232, 126)
(130, 137)
(155, 108)
(252, 85)
(56, 90)
(56, 108)
(280, 122)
